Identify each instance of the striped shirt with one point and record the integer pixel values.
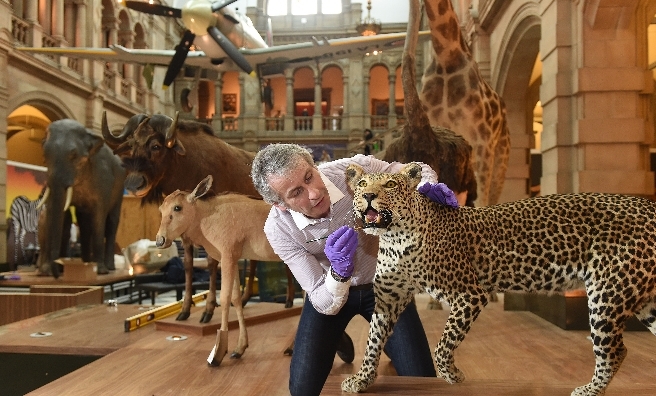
(288, 233)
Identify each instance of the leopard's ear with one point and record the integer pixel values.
(413, 172)
(353, 173)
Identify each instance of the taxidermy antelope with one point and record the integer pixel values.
(229, 227)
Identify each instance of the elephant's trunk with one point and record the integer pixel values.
(53, 235)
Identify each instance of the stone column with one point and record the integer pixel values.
(318, 116)
(69, 21)
(391, 115)
(4, 112)
(595, 136)
(366, 102)
(126, 38)
(289, 117)
(345, 115)
(217, 120)
(81, 24)
(31, 7)
(80, 40)
(58, 20)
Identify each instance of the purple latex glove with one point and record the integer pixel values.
(440, 193)
(340, 250)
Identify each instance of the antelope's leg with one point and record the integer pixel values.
(211, 303)
(189, 274)
(248, 288)
(242, 343)
(228, 274)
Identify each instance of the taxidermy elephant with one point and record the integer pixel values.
(83, 172)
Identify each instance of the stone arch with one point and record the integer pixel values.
(378, 88)
(520, 48)
(125, 33)
(139, 36)
(303, 91)
(50, 105)
(332, 81)
(26, 146)
(109, 22)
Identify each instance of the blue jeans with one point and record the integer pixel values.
(318, 335)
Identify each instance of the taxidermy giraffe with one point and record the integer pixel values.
(446, 152)
(455, 96)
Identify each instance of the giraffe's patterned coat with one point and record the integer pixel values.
(455, 96)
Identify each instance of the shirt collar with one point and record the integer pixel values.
(335, 195)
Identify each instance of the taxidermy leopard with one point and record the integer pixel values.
(602, 242)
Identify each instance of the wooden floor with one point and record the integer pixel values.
(505, 353)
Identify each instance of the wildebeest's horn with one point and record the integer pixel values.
(143, 121)
(111, 140)
(170, 134)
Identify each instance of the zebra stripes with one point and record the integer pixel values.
(25, 218)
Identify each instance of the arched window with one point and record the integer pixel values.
(304, 7)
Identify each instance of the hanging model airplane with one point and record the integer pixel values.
(226, 40)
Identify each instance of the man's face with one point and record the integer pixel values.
(303, 191)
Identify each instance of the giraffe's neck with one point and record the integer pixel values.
(451, 51)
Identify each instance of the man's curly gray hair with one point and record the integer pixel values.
(276, 160)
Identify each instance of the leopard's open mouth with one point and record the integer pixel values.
(371, 218)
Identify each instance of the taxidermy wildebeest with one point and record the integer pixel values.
(163, 155)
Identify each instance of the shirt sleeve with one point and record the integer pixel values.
(326, 294)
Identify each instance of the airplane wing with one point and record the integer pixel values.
(269, 60)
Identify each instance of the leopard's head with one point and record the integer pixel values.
(381, 200)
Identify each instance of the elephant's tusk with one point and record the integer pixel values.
(43, 198)
(69, 197)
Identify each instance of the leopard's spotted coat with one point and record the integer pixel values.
(602, 242)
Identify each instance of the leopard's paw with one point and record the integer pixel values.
(451, 374)
(357, 383)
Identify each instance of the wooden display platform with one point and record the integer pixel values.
(118, 285)
(416, 386)
(505, 353)
(82, 330)
(45, 298)
(29, 278)
(253, 314)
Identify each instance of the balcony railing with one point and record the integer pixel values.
(48, 41)
(229, 124)
(274, 123)
(379, 123)
(125, 88)
(109, 77)
(20, 30)
(331, 123)
(303, 123)
(141, 97)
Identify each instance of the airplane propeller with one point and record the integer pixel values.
(198, 16)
